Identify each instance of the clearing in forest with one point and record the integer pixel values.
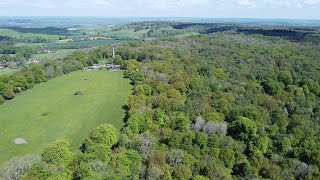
(51, 111)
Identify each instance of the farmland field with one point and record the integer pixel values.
(61, 53)
(47, 30)
(126, 34)
(29, 44)
(51, 111)
(16, 34)
(83, 44)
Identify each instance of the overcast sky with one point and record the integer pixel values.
(299, 9)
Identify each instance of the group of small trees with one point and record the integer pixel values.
(38, 73)
(20, 81)
(22, 53)
(58, 162)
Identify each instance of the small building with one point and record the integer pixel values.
(33, 60)
(11, 64)
(3, 65)
(8, 64)
(96, 66)
(113, 66)
(108, 66)
(46, 51)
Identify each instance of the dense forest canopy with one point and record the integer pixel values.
(218, 106)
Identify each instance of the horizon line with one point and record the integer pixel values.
(126, 17)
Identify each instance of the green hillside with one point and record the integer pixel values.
(51, 111)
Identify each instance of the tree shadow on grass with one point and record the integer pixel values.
(126, 117)
(44, 114)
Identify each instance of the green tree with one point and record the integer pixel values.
(242, 167)
(201, 140)
(118, 59)
(180, 122)
(216, 170)
(199, 177)
(227, 156)
(99, 142)
(138, 76)
(104, 134)
(182, 172)
(285, 77)
(159, 116)
(272, 87)
(128, 162)
(58, 153)
(243, 129)
(134, 124)
(284, 145)
(132, 68)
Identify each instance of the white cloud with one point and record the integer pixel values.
(158, 3)
(311, 2)
(102, 2)
(208, 8)
(247, 3)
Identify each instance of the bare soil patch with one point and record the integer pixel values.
(20, 141)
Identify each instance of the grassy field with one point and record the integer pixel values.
(84, 44)
(29, 44)
(126, 34)
(64, 41)
(186, 35)
(51, 111)
(61, 53)
(16, 34)
(7, 71)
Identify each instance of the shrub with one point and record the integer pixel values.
(78, 93)
(2, 100)
(8, 93)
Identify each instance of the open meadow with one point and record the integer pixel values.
(125, 34)
(16, 34)
(61, 53)
(84, 44)
(52, 111)
(7, 71)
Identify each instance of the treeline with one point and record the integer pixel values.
(21, 53)
(294, 34)
(170, 29)
(34, 39)
(205, 107)
(206, 28)
(7, 39)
